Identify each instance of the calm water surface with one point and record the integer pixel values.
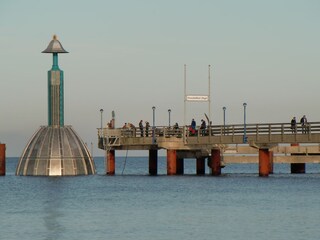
(236, 205)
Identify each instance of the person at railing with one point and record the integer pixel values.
(141, 128)
(304, 123)
(193, 123)
(203, 127)
(176, 128)
(294, 125)
(192, 128)
(147, 128)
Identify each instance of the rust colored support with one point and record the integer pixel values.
(270, 162)
(111, 162)
(2, 159)
(264, 162)
(215, 162)
(171, 162)
(201, 166)
(180, 166)
(297, 167)
(153, 162)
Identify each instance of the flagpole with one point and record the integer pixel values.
(209, 80)
(185, 93)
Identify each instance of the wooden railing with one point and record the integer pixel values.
(253, 130)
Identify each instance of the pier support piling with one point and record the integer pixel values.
(111, 162)
(297, 167)
(171, 162)
(2, 159)
(201, 166)
(271, 162)
(153, 162)
(215, 162)
(180, 166)
(264, 162)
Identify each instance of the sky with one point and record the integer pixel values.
(129, 55)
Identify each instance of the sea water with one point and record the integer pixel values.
(132, 205)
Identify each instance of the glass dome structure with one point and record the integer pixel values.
(56, 149)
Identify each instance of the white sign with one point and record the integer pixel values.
(198, 98)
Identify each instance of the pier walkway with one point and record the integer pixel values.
(214, 143)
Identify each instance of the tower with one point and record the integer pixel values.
(55, 85)
(56, 149)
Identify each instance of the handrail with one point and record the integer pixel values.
(256, 130)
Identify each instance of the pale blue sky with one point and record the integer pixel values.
(128, 56)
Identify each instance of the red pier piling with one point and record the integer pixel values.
(171, 162)
(111, 163)
(215, 162)
(264, 162)
(2, 159)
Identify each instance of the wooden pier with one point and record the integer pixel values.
(263, 143)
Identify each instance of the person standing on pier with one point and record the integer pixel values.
(203, 127)
(193, 124)
(303, 122)
(141, 128)
(193, 127)
(147, 128)
(294, 125)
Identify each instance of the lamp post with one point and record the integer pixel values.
(224, 119)
(244, 122)
(101, 111)
(101, 139)
(153, 127)
(169, 111)
(224, 116)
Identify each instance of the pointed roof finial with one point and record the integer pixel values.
(54, 46)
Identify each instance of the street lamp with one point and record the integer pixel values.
(101, 139)
(153, 127)
(101, 111)
(169, 111)
(224, 119)
(244, 121)
(224, 116)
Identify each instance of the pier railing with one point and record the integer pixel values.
(224, 134)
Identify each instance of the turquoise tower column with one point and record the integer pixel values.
(55, 85)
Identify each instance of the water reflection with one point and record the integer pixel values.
(53, 208)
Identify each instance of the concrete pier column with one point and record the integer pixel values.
(215, 162)
(180, 166)
(201, 166)
(297, 167)
(264, 162)
(171, 162)
(2, 159)
(111, 162)
(153, 162)
(271, 162)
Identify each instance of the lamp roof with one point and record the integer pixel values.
(55, 46)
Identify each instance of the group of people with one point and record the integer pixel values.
(303, 122)
(142, 128)
(193, 126)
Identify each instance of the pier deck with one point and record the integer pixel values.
(228, 143)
